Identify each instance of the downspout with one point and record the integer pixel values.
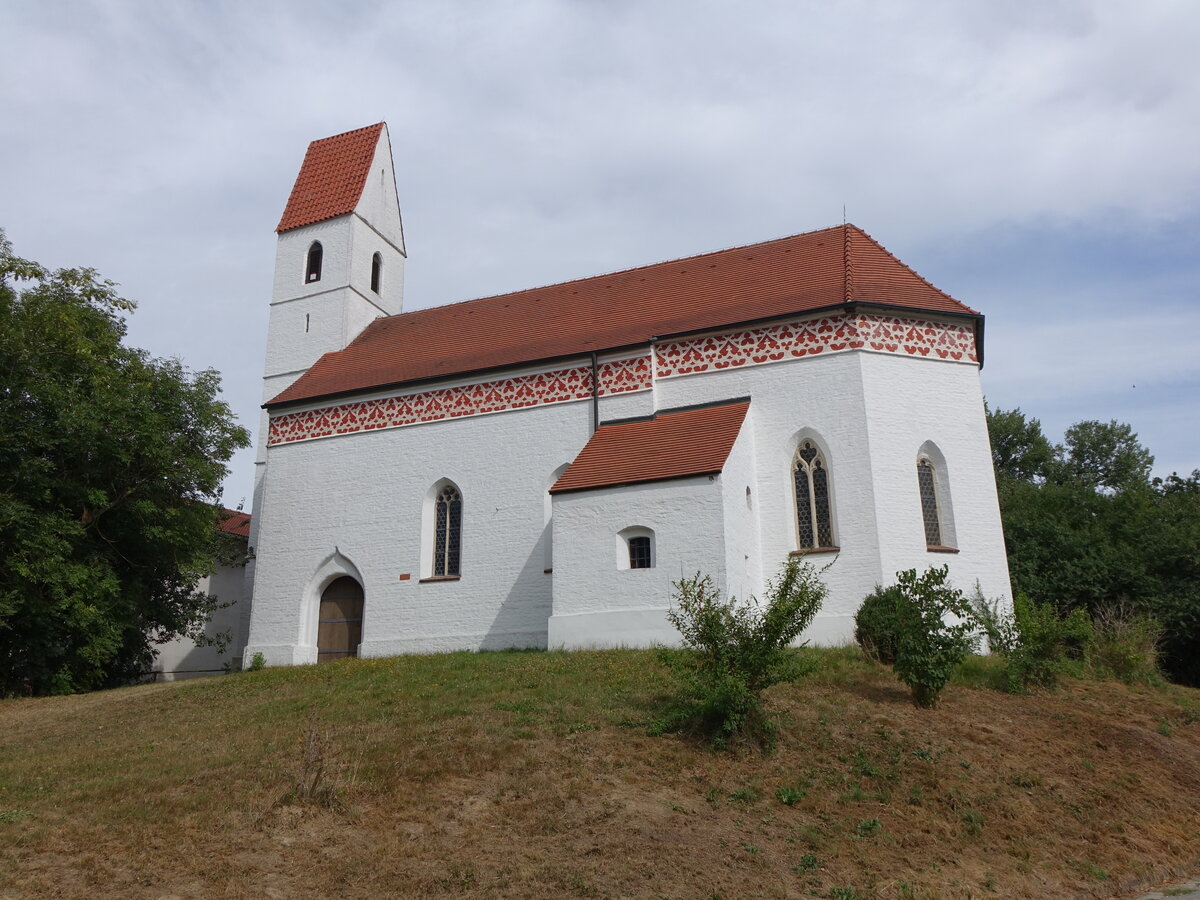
(595, 394)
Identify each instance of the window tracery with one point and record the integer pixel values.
(447, 538)
(810, 475)
(927, 484)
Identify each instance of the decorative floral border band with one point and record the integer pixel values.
(830, 334)
(755, 346)
(519, 392)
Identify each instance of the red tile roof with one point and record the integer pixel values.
(797, 274)
(332, 177)
(670, 445)
(234, 522)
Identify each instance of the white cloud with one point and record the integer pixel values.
(546, 139)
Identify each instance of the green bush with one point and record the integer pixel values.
(1037, 644)
(929, 649)
(1124, 646)
(1046, 643)
(734, 651)
(877, 624)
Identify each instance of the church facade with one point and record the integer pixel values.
(535, 469)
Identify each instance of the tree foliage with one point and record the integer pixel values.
(111, 463)
(1088, 528)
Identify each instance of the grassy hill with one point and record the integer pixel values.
(532, 774)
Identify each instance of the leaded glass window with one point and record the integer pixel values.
(639, 553)
(810, 475)
(447, 537)
(927, 483)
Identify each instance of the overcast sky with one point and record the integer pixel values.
(1039, 160)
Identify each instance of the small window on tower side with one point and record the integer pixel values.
(376, 272)
(312, 271)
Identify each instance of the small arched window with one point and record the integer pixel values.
(376, 272)
(447, 538)
(810, 474)
(635, 548)
(312, 269)
(927, 484)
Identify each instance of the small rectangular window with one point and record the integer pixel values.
(639, 553)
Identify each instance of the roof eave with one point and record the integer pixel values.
(846, 305)
(617, 484)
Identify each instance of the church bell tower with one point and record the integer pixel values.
(339, 264)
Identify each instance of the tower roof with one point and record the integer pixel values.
(667, 445)
(818, 270)
(331, 178)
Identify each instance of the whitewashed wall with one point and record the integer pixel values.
(911, 403)
(822, 398)
(181, 658)
(598, 600)
(360, 499)
(739, 501)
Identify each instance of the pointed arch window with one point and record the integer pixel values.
(930, 513)
(376, 272)
(810, 475)
(447, 538)
(312, 268)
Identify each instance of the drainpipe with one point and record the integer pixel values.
(595, 394)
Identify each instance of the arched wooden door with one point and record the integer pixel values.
(339, 625)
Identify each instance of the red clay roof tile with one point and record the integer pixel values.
(234, 522)
(670, 445)
(332, 177)
(791, 275)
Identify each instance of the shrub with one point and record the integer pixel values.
(1036, 642)
(1046, 642)
(877, 624)
(1124, 646)
(735, 651)
(929, 648)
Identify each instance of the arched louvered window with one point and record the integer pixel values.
(810, 474)
(312, 269)
(930, 514)
(447, 538)
(376, 272)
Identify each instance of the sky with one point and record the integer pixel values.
(1039, 161)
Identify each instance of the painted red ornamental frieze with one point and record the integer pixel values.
(757, 346)
(617, 377)
(830, 334)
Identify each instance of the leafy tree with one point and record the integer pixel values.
(1086, 528)
(1104, 457)
(111, 464)
(1020, 451)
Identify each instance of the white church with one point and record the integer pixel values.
(535, 469)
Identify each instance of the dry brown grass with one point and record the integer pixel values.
(532, 774)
